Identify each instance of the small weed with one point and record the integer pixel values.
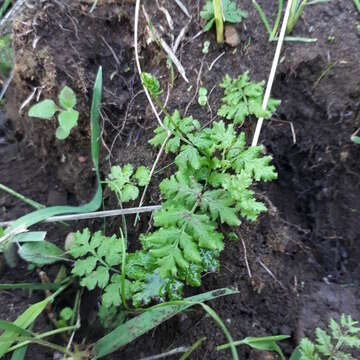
(206, 46)
(124, 182)
(217, 11)
(212, 185)
(337, 345)
(243, 98)
(202, 98)
(67, 116)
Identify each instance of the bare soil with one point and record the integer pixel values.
(304, 255)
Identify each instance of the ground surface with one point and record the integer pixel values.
(309, 240)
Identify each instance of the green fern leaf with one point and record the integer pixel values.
(178, 189)
(323, 340)
(307, 350)
(243, 98)
(220, 205)
(188, 156)
(99, 277)
(257, 167)
(84, 266)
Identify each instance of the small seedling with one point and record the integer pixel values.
(206, 46)
(243, 98)
(336, 345)
(124, 182)
(66, 315)
(218, 11)
(67, 116)
(202, 98)
(343, 337)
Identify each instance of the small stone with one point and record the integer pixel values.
(232, 37)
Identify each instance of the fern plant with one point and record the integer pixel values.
(244, 98)
(337, 345)
(212, 185)
(124, 182)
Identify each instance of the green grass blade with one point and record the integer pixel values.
(8, 326)
(25, 320)
(266, 343)
(277, 21)
(30, 286)
(222, 326)
(262, 17)
(357, 5)
(23, 198)
(192, 348)
(132, 329)
(19, 354)
(42, 214)
(4, 7)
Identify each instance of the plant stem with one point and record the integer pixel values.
(277, 21)
(123, 264)
(295, 13)
(262, 17)
(219, 21)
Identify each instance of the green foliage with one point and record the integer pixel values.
(151, 84)
(40, 253)
(296, 10)
(231, 12)
(67, 117)
(124, 182)
(212, 185)
(266, 343)
(6, 55)
(244, 98)
(355, 139)
(333, 345)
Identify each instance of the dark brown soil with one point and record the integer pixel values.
(304, 255)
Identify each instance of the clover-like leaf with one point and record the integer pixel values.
(67, 98)
(68, 119)
(45, 109)
(142, 175)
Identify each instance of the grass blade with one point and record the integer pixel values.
(357, 5)
(42, 214)
(262, 17)
(192, 348)
(23, 198)
(151, 318)
(30, 286)
(8, 326)
(4, 7)
(24, 321)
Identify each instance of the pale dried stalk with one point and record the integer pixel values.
(273, 71)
